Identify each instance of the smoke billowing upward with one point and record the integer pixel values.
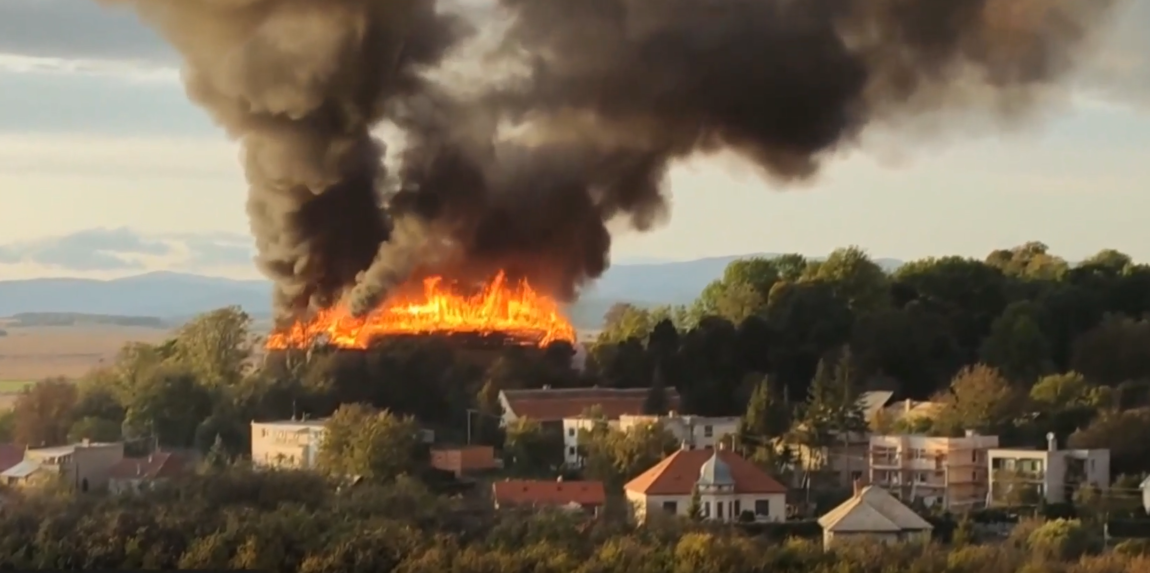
(522, 170)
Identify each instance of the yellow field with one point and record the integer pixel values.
(29, 354)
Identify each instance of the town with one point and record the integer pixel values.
(693, 420)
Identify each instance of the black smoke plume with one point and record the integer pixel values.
(574, 118)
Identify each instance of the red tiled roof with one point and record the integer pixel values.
(157, 465)
(534, 492)
(10, 455)
(552, 405)
(677, 474)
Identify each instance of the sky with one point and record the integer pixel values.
(106, 170)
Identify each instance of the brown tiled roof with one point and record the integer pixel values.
(10, 455)
(157, 465)
(552, 405)
(677, 474)
(533, 492)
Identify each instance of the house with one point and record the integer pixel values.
(585, 496)
(287, 443)
(945, 471)
(1051, 474)
(698, 432)
(846, 458)
(1145, 487)
(134, 474)
(552, 405)
(728, 487)
(873, 514)
(464, 459)
(85, 465)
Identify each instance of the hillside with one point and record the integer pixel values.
(171, 296)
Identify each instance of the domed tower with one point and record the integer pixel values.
(716, 488)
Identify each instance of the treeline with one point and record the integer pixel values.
(1019, 344)
(232, 518)
(30, 319)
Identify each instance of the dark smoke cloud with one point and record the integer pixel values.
(602, 96)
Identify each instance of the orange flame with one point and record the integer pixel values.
(516, 310)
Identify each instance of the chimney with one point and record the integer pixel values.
(559, 479)
(908, 404)
(684, 445)
(971, 433)
(139, 469)
(149, 458)
(857, 486)
(1051, 442)
(722, 446)
(85, 442)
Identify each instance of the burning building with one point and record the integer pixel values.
(528, 126)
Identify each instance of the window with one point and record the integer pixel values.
(706, 509)
(974, 455)
(571, 432)
(719, 509)
(670, 507)
(736, 508)
(571, 450)
(708, 431)
(973, 476)
(920, 477)
(762, 507)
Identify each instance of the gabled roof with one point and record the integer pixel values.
(873, 510)
(10, 455)
(678, 473)
(554, 404)
(156, 466)
(872, 401)
(555, 493)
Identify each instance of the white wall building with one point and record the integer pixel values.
(728, 486)
(1053, 474)
(287, 443)
(696, 432)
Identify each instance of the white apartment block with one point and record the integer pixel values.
(1051, 474)
(287, 443)
(951, 472)
(694, 432)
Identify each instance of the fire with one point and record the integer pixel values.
(501, 307)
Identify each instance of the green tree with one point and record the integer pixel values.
(979, 399)
(695, 508)
(168, 403)
(530, 449)
(1016, 346)
(856, 279)
(362, 441)
(766, 418)
(44, 413)
(216, 346)
(95, 429)
(656, 402)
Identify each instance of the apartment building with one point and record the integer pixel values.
(287, 443)
(934, 470)
(695, 432)
(1021, 477)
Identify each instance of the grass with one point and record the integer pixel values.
(14, 386)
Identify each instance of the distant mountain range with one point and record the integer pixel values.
(174, 296)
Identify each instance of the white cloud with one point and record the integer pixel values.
(131, 71)
(109, 252)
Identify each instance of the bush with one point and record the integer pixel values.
(1133, 548)
(1064, 539)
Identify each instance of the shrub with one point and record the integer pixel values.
(1064, 539)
